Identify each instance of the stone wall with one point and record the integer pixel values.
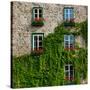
(21, 22)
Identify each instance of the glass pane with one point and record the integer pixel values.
(71, 67)
(35, 38)
(66, 37)
(67, 16)
(66, 10)
(71, 74)
(71, 16)
(66, 68)
(35, 15)
(40, 38)
(66, 42)
(71, 41)
(40, 10)
(40, 15)
(71, 37)
(40, 43)
(71, 11)
(71, 45)
(66, 75)
(35, 10)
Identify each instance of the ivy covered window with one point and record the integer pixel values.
(69, 72)
(37, 16)
(69, 16)
(69, 42)
(37, 43)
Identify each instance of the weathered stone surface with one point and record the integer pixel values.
(21, 25)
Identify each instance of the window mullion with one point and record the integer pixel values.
(38, 13)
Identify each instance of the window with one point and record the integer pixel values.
(69, 41)
(37, 41)
(37, 17)
(69, 72)
(37, 13)
(68, 13)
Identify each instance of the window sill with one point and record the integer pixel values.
(37, 23)
(69, 24)
(69, 48)
(37, 52)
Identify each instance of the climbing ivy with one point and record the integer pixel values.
(84, 30)
(47, 69)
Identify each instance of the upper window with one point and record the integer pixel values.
(68, 13)
(69, 72)
(37, 13)
(69, 41)
(37, 41)
(37, 17)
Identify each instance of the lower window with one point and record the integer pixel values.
(69, 42)
(69, 72)
(37, 43)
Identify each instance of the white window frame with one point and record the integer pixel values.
(69, 74)
(68, 40)
(37, 12)
(37, 40)
(69, 13)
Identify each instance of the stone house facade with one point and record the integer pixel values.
(22, 28)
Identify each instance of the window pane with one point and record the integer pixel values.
(66, 10)
(71, 46)
(40, 37)
(35, 10)
(66, 67)
(66, 42)
(71, 11)
(71, 76)
(40, 10)
(40, 15)
(40, 43)
(71, 42)
(71, 16)
(67, 16)
(35, 38)
(66, 37)
(67, 75)
(35, 15)
(71, 73)
(71, 67)
(71, 37)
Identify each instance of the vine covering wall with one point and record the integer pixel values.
(47, 69)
